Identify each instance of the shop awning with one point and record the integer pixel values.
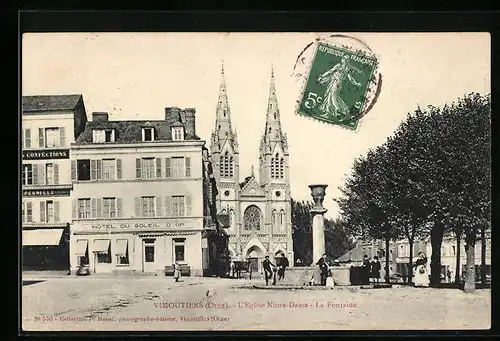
(81, 247)
(100, 246)
(121, 247)
(42, 237)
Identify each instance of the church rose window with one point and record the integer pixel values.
(252, 218)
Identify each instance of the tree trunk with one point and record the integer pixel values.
(436, 241)
(457, 266)
(387, 277)
(483, 254)
(470, 268)
(410, 263)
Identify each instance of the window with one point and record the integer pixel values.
(108, 169)
(84, 208)
(148, 206)
(232, 221)
(148, 168)
(179, 249)
(27, 138)
(52, 137)
(226, 165)
(148, 134)
(277, 167)
(178, 206)
(177, 133)
(50, 211)
(27, 173)
(252, 218)
(108, 207)
(177, 167)
(49, 172)
(83, 167)
(122, 252)
(282, 220)
(103, 135)
(104, 257)
(149, 253)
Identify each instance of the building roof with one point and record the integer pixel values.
(130, 131)
(47, 103)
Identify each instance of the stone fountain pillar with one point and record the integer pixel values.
(318, 221)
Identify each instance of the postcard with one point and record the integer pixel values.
(255, 181)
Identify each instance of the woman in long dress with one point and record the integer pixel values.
(333, 105)
(420, 273)
(317, 273)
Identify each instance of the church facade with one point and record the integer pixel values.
(259, 208)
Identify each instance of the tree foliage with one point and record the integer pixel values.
(430, 178)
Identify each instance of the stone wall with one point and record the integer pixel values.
(303, 275)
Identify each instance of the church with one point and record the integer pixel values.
(259, 208)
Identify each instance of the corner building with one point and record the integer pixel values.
(137, 203)
(49, 125)
(259, 208)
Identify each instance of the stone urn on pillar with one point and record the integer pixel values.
(318, 221)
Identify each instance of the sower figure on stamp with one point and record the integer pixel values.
(268, 271)
(333, 104)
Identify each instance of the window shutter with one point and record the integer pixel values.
(159, 212)
(119, 207)
(56, 174)
(99, 169)
(73, 208)
(29, 209)
(138, 168)
(93, 207)
(138, 209)
(62, 136)
(168, 168)
(41, 174)
(168, 206)
(27, 140)
(188, 205)
(56, 211)
(118, 169)
(73, 170)
(34, 173)
(93, 170)
(41, 138)
(42, 211)
(188, 167)
(158, 167)
(98, 208)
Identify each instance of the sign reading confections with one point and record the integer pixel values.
(45, 154)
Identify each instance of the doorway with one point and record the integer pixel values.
(148, 255)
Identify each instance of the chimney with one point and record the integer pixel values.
(190, 123)
(100, 116)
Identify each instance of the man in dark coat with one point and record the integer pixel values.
(365, 270)
(268, 271)
(284, 264)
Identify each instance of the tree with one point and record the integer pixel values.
(338, 238)
(302, 231)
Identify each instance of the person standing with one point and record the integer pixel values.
(284, 264)
(421, 276)
(268, 271)
(177, 271)
(365, 270)
(375, 270)
(448, 274)
(316, 277)
(232, 269)
(324, 270)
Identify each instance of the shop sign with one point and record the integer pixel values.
(137, 226)
(45, 154)
(61, 192)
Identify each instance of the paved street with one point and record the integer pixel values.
(158, 303)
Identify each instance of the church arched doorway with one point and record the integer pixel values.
(254, 256)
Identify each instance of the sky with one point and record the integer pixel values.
(137, 75)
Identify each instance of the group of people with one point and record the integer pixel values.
(322, 274)
(271, 270)
(370, 270)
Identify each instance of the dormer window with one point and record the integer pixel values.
(103, 135)
(148, 134)
(178, 133)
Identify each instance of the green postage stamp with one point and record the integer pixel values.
(337, 87)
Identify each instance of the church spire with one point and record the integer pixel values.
(273, 124)
(223, 114)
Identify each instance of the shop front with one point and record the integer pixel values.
(45, 249)
(128, 247)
